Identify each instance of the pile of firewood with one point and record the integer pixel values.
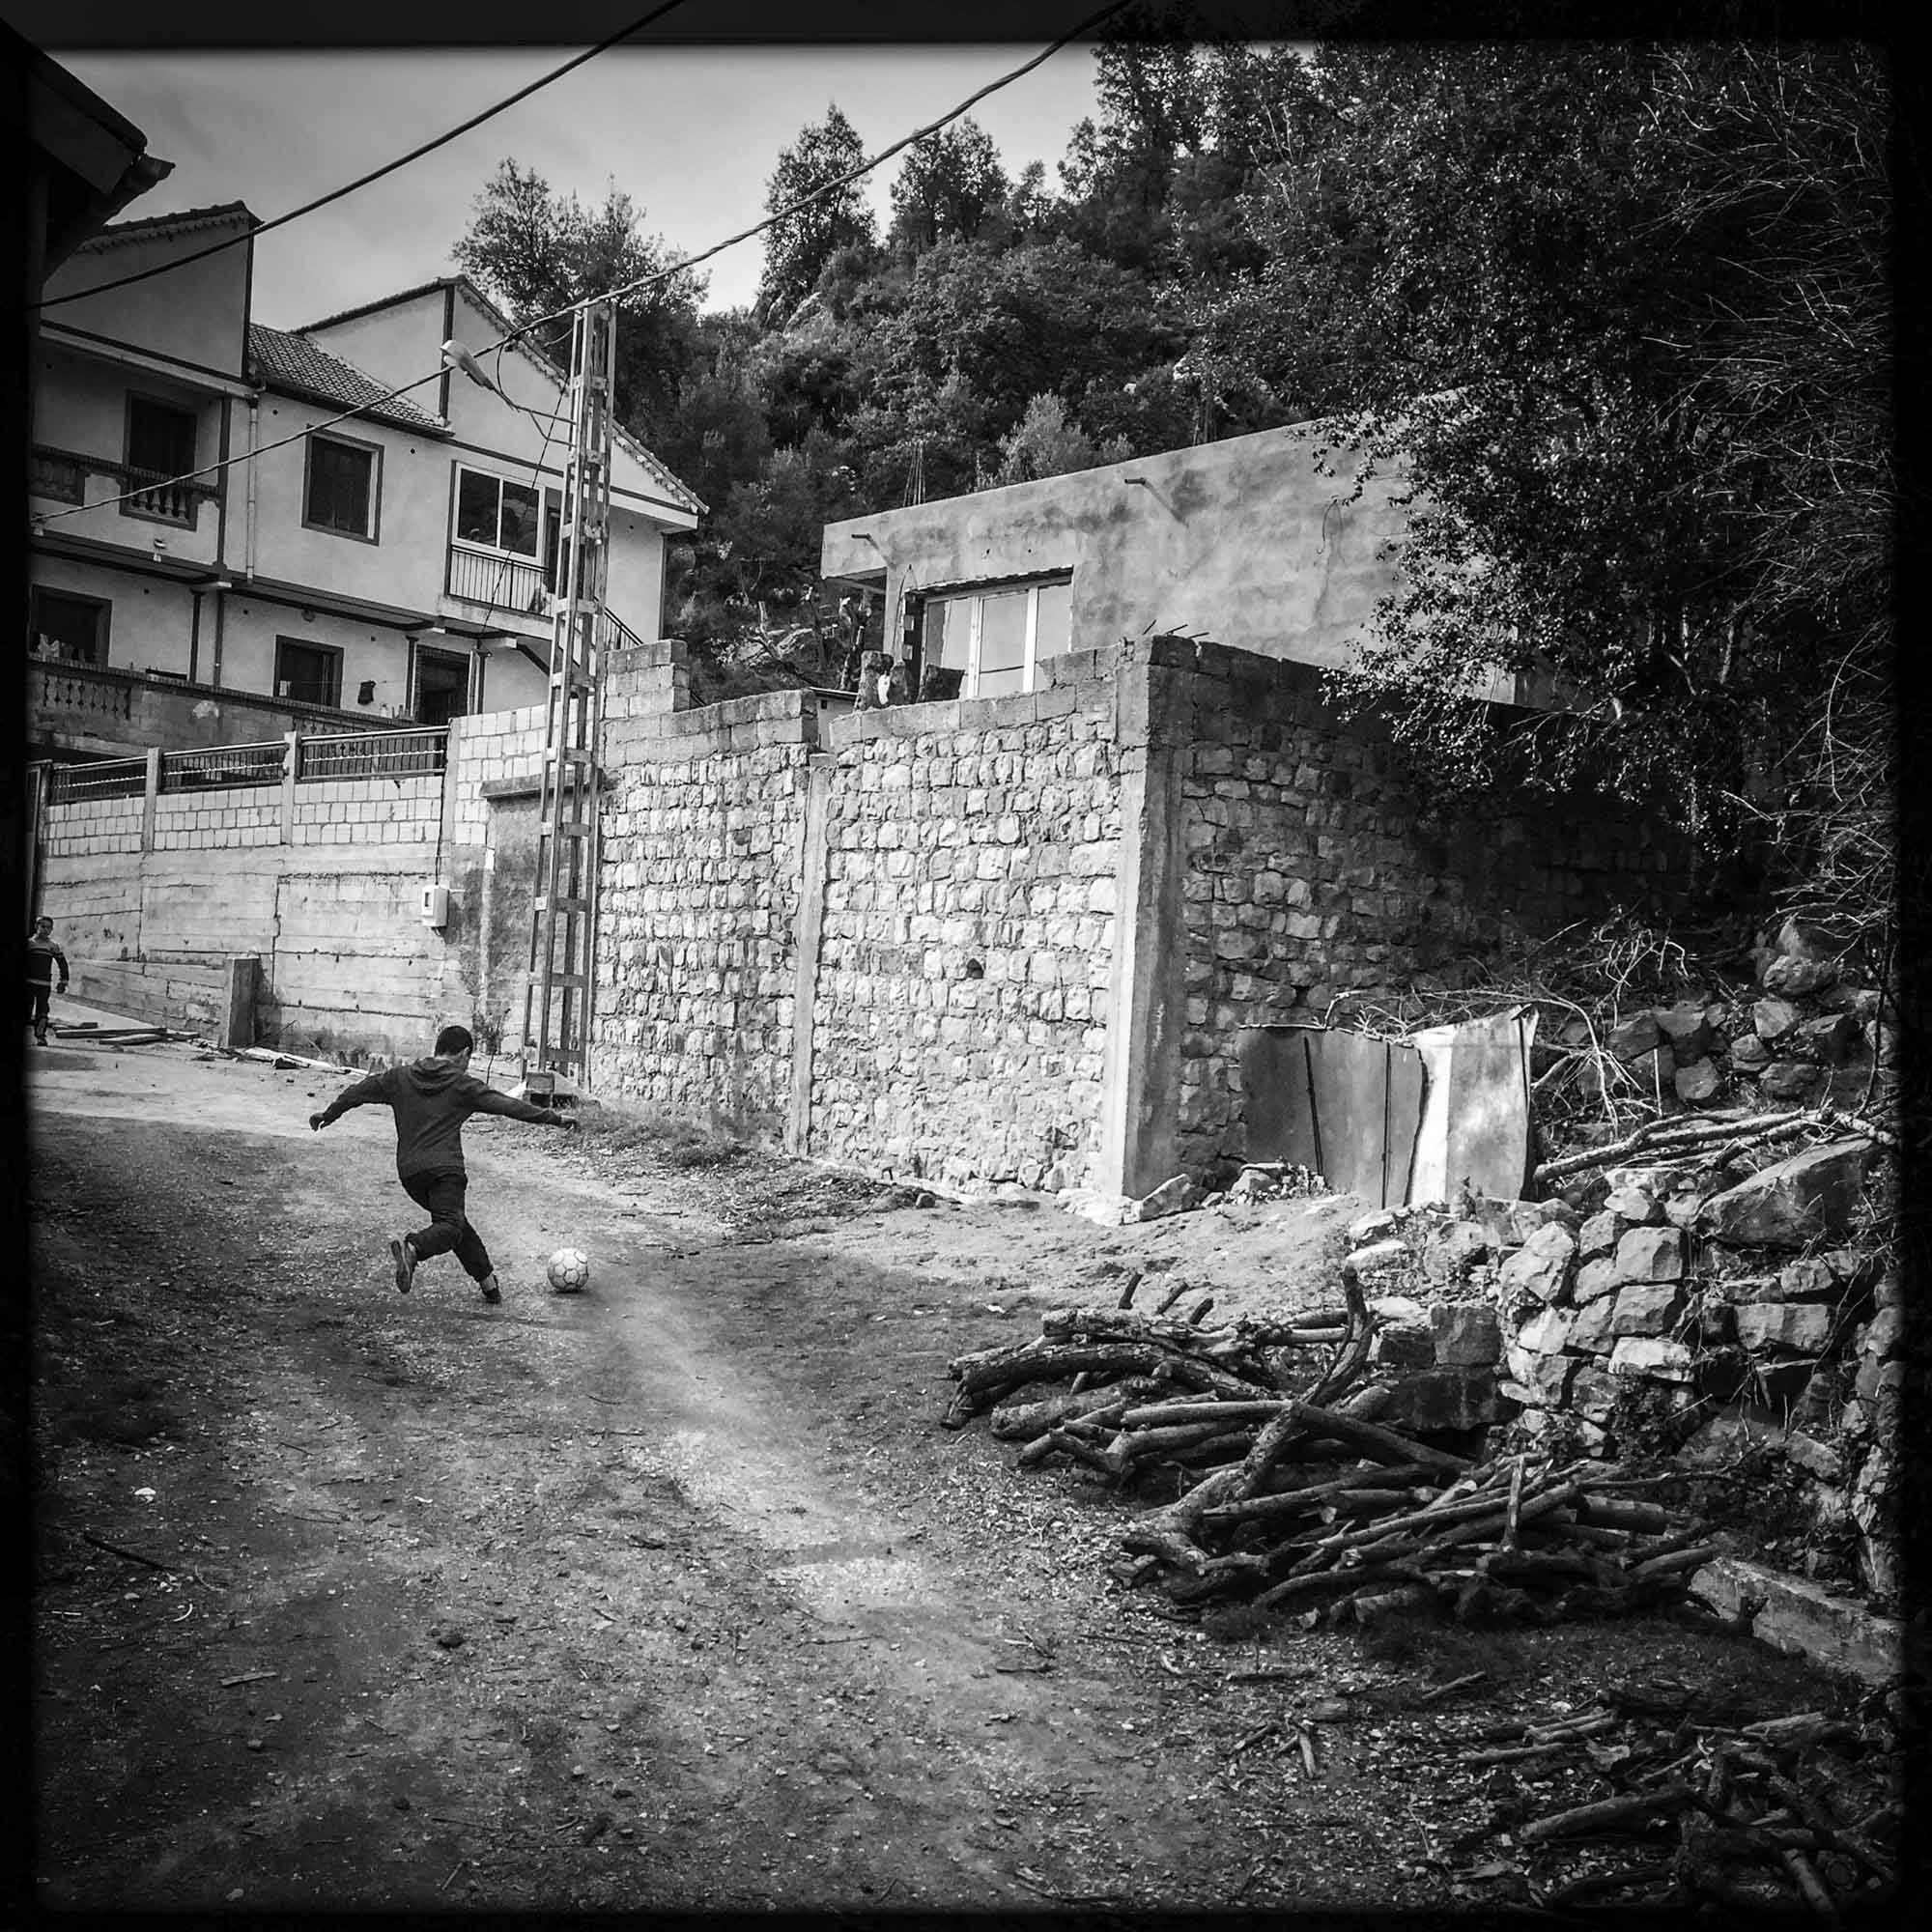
(1727, 1817)
(1292, 1493)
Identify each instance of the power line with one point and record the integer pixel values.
(864, 168)
(376, 174)
(45, 517)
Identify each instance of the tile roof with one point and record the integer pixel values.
(678, 491)
(297, 366)
(148, 226)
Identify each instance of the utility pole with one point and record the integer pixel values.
(558, 988)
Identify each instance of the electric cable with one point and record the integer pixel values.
(388, 168)
(864, 168)
(42, 518)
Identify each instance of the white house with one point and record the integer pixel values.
(371, 532)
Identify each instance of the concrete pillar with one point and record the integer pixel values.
(290, 768)
(1147, 990)
(245, 986)
(147, 797)
(805, 947)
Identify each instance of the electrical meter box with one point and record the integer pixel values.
(436, 906)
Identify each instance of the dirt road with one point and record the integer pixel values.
(668, 1594)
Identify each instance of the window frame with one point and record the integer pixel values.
(533, 558)
(421, 653)
(375, 453)
(130, 505)
(333, 652)
(103, 612)
(975, 595)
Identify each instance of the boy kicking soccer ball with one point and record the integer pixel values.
(431, 1099)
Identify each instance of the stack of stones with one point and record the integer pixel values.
(1688, 1312)
(1804, 1034)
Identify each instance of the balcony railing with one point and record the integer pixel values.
(112, 777)
(224, 766)
(334, 754)
(76, 690)
(62, 475)
(372, 754)
(55, 474)
(508, 584)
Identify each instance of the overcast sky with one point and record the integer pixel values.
(690, 133)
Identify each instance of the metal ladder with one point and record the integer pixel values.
(557, 988)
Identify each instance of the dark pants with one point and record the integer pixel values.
(449, 1227)
(39, 993)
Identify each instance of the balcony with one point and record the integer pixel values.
(62, 475)
(515, 585)
(94, 709)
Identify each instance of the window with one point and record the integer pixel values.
(68, 629)
(496, 514)
(160, 438)
(160, 445)
(343, 487)
(309, 673)
(996, 639)
(443, 685)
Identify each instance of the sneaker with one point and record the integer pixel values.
(492, 1293)
(405, 1257)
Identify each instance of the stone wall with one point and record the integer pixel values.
(972, 858)
(1311, 874)
(1016, 938)
(699, 875)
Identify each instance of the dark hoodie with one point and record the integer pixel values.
(432, 1099)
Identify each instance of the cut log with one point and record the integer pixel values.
(1810, 1887)
(1618, 1513)
(1321, 1582)
(1838, 1836)
(1607, 1814)
(1677, 1561)
(1158, 1415)
(983, 1380)
(1292, 1502)
(1384, 1444)
(1020, 1422)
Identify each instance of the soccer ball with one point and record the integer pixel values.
(569, 1270)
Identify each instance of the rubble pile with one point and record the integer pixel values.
(1323, 1491)
(1804, 1032)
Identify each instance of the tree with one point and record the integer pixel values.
(804, 239)
(1048, 442)
(1619, 310)
(538, 253)
(950, 184)
(1010, 324)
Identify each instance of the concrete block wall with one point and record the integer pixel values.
(91, 826)
(493, 748)
(333, 912)
(213, 821)
(700, 865)
(362, 813)
(962, 1005)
